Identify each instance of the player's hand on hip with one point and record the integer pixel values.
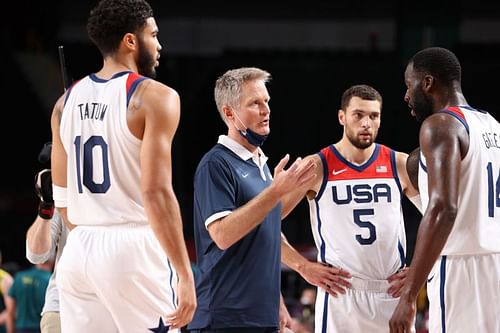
(327, 277)
(186, 305)
(397, 281)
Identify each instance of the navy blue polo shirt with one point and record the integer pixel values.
(240, 286)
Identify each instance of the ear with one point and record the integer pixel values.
(341, 115)
(428, 82)
(227, 111)
(130, 41)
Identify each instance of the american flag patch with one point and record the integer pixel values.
(380, 168)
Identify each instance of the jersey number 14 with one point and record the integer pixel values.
(493, 191)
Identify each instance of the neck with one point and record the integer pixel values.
(353, 154)
(452, 97)
(112, 66)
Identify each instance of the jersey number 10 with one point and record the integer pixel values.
(89, 165)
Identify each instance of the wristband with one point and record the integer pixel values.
(60, 195)
(46, 210)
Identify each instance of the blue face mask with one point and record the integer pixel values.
(253, 138)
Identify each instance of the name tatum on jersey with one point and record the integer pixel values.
(93, 111)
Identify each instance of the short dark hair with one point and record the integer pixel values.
(110, 20)
(438, 62)
(362, 91)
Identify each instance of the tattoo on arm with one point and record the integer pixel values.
(138, 96)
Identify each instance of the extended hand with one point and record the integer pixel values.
(299, 173)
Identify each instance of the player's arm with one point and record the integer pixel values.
(329, 278)
(443, 151)
(42, 235)
(58, 161)
(39, 240)
(229, 229)
(161, 107)
(412, 166)
(408, 189)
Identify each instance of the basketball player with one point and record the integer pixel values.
(125, 266)
(458, 241)
(357, 221)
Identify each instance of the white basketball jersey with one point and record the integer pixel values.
(356, 217)
(103, 155)
(477, 225)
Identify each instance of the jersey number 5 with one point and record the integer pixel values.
(89, 165)
(372, 236)
(493, 191)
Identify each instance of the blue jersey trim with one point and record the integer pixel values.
(133, 86)
(458, 118)
(470, 108)
(353, 166)
(323, 244)
(395, 173)
(422, 165)
(442, 283)
(95, 78)
(174, 302)
(325, 175)
(324, 322)
(402, 255)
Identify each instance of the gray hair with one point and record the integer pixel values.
(228, 86)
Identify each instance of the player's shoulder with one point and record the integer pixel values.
(154, 93)
(401, 155)
(439, 119)
(155, 86)
(313, 157)
(431, 130)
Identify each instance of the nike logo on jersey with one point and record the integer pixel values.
(430, 279)
(245, 175)
(335, 172)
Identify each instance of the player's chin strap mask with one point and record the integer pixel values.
(253, 138)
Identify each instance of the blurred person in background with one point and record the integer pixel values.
(6, 281)
(26, 298)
